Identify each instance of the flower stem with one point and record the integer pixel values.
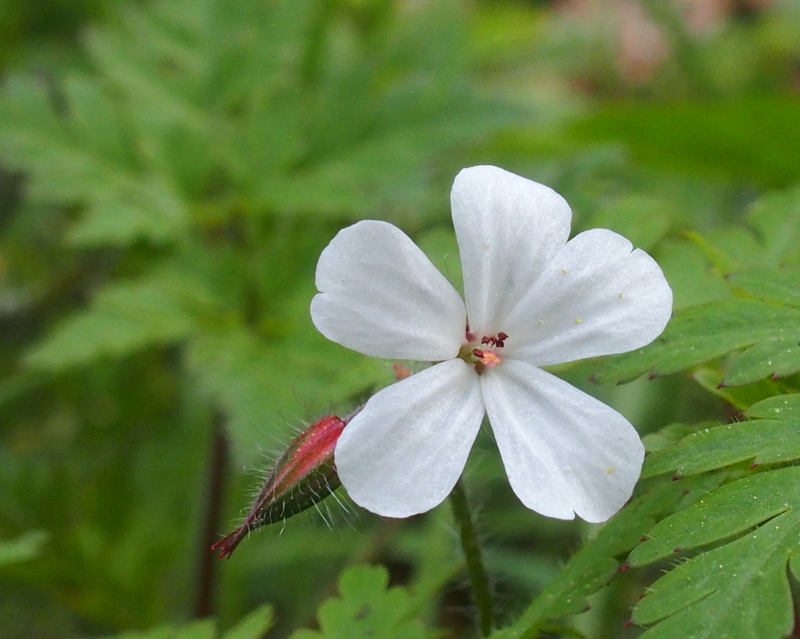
(478, 577)
(216, 479)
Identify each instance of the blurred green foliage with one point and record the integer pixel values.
(170, 172)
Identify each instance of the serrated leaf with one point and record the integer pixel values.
(365, 608)
(779, 407)
(739, 397)
(764, 441)
(594, 565)
(739, 589)
(84, 155)
(775, 357)
(702, 333)
(669, 436)
(781, 286)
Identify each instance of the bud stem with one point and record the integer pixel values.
(478, 577)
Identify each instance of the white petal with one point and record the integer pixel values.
(381, 296)
(508, 230)
(563, 450)
(597, 297)
(403, 453)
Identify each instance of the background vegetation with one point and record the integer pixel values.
(169, 173)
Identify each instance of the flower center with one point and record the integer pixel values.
(483, 351)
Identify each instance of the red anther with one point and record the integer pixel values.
(501, 339)
(477, 352)
(488, 340)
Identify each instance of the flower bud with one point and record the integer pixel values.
(303, 476)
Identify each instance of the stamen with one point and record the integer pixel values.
(483, 357)
(499, 340)
(487, 357)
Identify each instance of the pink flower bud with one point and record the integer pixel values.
(303, 476)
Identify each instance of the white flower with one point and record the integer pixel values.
(532, 299)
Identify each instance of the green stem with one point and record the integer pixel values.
(478, 577)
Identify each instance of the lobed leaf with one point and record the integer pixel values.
(736, 292)
(123, 318)
(366, 608)
(762, 441)
(592, 567)
(781, 286)
(739, 589)
(707, 332)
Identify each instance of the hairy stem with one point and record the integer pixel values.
(478, 577)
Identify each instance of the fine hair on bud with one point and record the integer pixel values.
(301, 477)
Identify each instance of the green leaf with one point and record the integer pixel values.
(669, 436)
(706, 332)
(776, 357)
(739, 589)
(85, 155)
(365, 608)
(762, 441)
(780, 407)
(594, 565)
(253, 626)
(781, 286)
(23, 548)
(716, 139)
(689, 274)
(739, 397)
(643, 220)
(123, 212)
(123, 318)
(776, 219)
(205, 629)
